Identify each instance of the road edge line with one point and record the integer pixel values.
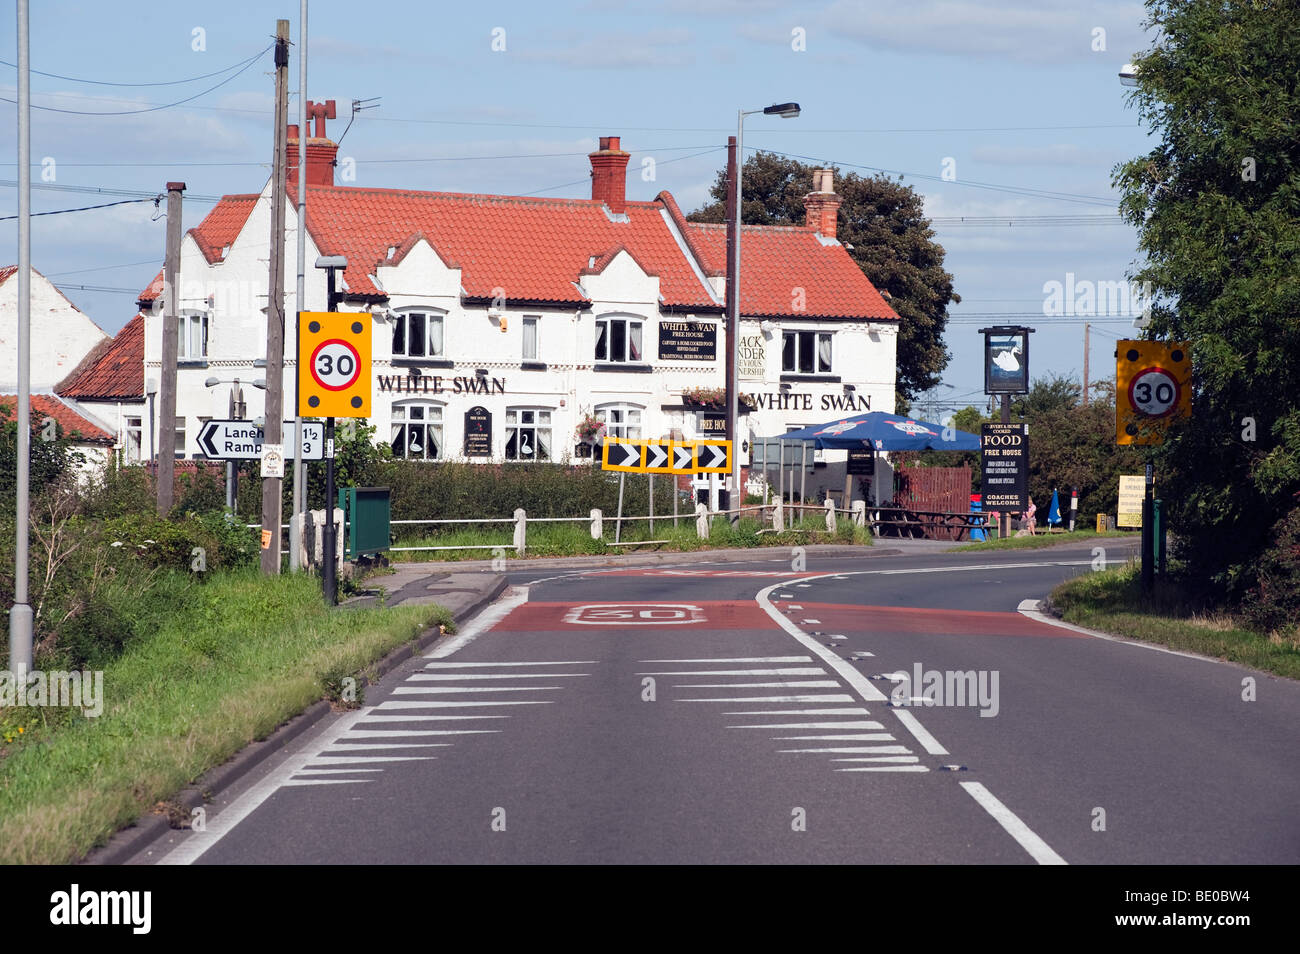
(1031, 609)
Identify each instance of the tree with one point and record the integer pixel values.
(1217, 205)
(891, 239)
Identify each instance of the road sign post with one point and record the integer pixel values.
(333, 381)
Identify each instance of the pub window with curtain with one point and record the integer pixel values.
(806, 352)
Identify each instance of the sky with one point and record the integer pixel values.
(1009, 113)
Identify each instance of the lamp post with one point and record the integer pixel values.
(21, 618)
(237, 410)
(735, 162)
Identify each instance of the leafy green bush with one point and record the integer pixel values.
(1274, 601)
(156, 542)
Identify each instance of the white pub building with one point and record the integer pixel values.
(504, 327)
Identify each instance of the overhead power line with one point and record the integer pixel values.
(84, 208)
(180, 82)
(146, 109)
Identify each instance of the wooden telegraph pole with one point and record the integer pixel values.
(1086, 349)
(165, 465)
(272, 504)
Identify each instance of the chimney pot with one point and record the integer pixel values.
(822, 205)
(609, 174)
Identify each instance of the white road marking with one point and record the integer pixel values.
(873, 737)
(794, 671)
(458, 676)
(810, 725)
(336, 771)
(810, 698)
(928, 742)
(457, 690)
(382, 719)
(296, 782)
(489, 617)
(815, 622)
(793, 606)
(887, 768)
(380, 746)
(817, 712)
(788, 684)
(376, 733)
(469, 665)
(837, 665)
(1038, 849)
(440, 705)
(362, 759)
(737, 659)
(881, 758)
(197, 843)
(849, 749)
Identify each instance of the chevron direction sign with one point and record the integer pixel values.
(713, 457)
(666, 457)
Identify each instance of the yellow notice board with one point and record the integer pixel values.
(1131, 490)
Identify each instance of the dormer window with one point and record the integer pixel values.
(618, 340)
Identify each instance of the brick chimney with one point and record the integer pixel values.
(322, 154)
(821, 206)
(609, 174)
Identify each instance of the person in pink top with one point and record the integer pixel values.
(1030, 521)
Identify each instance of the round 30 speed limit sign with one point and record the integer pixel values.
(1153, 392)
(335, 365)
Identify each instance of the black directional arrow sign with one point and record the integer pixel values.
(713, 457)
(656, 459)
(621, 456)
(683, 459)
(242, 440)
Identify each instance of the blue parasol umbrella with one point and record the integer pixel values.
(1054, 511)
(879, 431)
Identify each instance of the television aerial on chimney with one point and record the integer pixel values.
(357, 106)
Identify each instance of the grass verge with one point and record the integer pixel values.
(1040, 540)
(223, 663)
(1112, 601)
(574, 539)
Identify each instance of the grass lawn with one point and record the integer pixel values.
(1111, 601)
(574, 539)
(220, 663)
(1041, 539)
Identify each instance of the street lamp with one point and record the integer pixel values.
(1128, 75)
(736, 163)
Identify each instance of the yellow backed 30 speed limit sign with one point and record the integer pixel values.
(333, 364)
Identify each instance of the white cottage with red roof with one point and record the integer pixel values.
(526, 316)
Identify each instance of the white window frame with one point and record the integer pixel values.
(133, 438)
(430, 317)
(533, 321)
(817, 338)
(615, 418)
(180, 437)
(606, 324)
(433, 416)
(187, 324)
(536, 425)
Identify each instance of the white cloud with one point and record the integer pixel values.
(1037, 31)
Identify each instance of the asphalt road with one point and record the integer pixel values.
(744, 713)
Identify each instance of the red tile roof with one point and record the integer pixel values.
(222, 225)
(112, 371)
(71, 422)
(536, 249)
(7, 271)
(219, 228)
(775, 261)
(533, 248)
